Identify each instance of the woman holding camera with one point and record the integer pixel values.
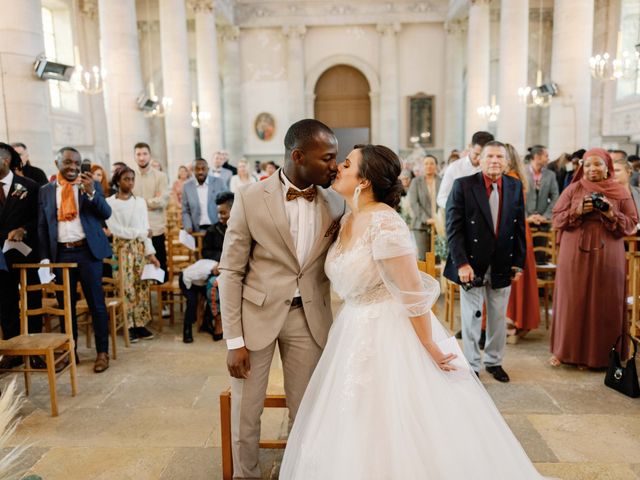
(591, 217)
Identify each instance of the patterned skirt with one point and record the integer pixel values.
(131, 262)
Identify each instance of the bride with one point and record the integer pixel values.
(385, 403)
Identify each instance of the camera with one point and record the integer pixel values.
(476, 282)
(598, 202)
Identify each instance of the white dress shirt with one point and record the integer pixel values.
(72, 230)
(6, 183)
(304, 218)
(458, 169)
(203, 194)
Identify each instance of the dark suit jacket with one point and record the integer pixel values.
(470, 230)
(92, 214)
(20, 212)
(213, 242)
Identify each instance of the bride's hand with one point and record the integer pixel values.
(442, 360)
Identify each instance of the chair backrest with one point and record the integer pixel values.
(633, 292)
(64, 287)
(545, 242)
(179, 257)
(631, 243)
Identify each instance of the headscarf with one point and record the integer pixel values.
(68, 210)
(608, 187)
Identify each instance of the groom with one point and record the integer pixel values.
(273, 289)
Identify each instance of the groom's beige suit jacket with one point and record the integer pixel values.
(260, 272)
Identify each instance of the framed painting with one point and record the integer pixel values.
(265, 126)
(421, 120)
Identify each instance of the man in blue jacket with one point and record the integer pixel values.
(71, 211)
(487, 248)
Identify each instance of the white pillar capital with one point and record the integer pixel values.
(294, 31)
(204, 6)
(480, 3)
(455, 27)
(388, 28)
(230, 33)
(89, 8)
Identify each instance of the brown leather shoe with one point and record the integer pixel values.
(102, 362)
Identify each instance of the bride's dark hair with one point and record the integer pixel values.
(381, 166)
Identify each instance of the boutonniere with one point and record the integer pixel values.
(19, 191)
(333, 228)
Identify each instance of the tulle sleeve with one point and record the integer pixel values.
(394, 253)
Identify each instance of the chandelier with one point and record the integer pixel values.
(197, 116)
(539, 95)
(605, 67)
(90, 82)
(490, 112)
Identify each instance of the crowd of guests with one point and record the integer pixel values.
(589, 198)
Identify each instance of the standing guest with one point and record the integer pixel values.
(467, 165)
(152, 185)
(71, 212)
(487, 250)
(114, 166)
(226, 164)
(129, 224)
(576, 158)
(18, 223)
(422, 195)
(218, 172)
(543, 187)
(211, 250)
(100, 176)
(156, 164)
(243, 176)
(589, 308)
(634, 161)
(199, 198)
(176, 188)
(524, 305)
(404, 207)
(269, 169)
(623, 170)
(34, 173)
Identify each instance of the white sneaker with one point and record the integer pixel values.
(165, 312)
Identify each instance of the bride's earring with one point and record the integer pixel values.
(356, 197)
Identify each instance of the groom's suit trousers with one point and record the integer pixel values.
(300, 354)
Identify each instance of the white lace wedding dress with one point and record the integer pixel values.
(377, 406)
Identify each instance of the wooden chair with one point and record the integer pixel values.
(271, 401)
(44, 344)
(429, 267)
(546, 272)
(450, 293)
(114, 293)
(631, 243)
(633, 293)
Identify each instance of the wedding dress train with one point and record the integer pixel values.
(377, 406)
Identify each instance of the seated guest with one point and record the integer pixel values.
(623, 171)
(71, 211)
(193, 279)
(18, 223)
(129, 224)
(589, 309)
(199, 197)
(100, 176)
(422, 196)
(33, 173)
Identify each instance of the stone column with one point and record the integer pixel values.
(478, 59)
(208, 77)
(120, 55)
(514, 56)
(572, 43)
(232, 91)
(453, 89)
(176, 84)
(389, 133)
(24, 102)
(295, 71)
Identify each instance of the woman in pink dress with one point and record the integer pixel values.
(591, 217)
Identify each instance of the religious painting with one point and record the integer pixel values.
(265, 126)
(421, 121)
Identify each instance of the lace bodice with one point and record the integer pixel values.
(380, 265)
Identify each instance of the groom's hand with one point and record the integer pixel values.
(238, 362)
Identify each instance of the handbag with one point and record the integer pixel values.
(623, 379)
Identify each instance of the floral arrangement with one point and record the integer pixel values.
(19, 191)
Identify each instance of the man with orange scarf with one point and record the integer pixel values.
(72, 209)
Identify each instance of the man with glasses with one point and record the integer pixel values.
(463, 167)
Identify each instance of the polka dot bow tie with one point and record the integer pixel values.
(309, 194)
